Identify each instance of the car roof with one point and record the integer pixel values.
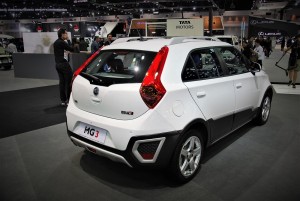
(225, 36)
(128, 39)
(155, 44)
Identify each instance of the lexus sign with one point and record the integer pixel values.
(268, 34)
(270, 27)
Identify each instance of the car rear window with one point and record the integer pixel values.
(118, 66)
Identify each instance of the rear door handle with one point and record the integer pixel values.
(238, 85)
(201, 94)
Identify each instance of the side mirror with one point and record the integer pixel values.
(255, 67)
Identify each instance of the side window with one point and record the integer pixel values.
(207, 64)
(234, 60)
(189, 73)
(202, 64)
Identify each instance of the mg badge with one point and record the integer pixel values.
(96, 91)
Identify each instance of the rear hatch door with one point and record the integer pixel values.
(109, 85)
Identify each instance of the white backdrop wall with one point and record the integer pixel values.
(40, 42)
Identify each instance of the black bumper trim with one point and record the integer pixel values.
(162, 160)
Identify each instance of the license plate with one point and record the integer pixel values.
(91, 132)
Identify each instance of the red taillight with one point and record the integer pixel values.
(152, 90)
(77, 72)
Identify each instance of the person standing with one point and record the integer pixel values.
(101, 42)
(95, 45)
(251, 42)
(246, 50)
(83, 45)
(268, 47)
(11, 47)
(75, 45)
(63, 67)
(289, 42)
(259, 51)
(282, 43)
(109, 40)
(294, 61)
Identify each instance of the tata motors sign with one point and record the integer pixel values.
(185, 27)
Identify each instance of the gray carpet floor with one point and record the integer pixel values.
(253, 163)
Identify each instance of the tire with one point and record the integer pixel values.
(185, 163)
(264, 110)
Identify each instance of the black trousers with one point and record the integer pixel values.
(65, 74)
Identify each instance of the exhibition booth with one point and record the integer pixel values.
(38, 59)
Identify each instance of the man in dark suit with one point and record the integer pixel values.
(63, 67)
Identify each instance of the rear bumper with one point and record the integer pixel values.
(99, 151)
(162, 156)
(119, 132)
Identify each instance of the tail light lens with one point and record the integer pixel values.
(77, 72)
(152, 90)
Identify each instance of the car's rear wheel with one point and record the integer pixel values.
(264, 110)
(186, 160)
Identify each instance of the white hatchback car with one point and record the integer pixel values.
(161, 102)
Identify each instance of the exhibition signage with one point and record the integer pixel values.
(185, 27)
(269, 27)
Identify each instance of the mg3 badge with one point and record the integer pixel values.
(96, 91)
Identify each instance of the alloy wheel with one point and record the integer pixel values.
(190, 155)
(266, 109)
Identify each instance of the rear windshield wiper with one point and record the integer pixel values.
(93, 79)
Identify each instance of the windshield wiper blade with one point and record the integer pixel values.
(93, 79)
